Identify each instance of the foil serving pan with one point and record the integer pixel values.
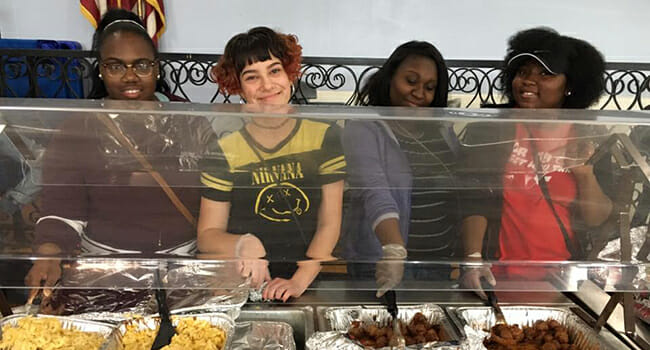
(227, 305)
(103, 329)
(215, 305)
(610, 277)
(475, 323)
(205, 288)
(263, 335)
(220, 320)
(340, 319)
(338, 340)
(112, 318)
(232, 310)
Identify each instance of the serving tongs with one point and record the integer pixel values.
(390, 301)
(29, 305)
(166, 330)
(493, 302)
(34, 295)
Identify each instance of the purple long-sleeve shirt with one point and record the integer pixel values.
(380, 179)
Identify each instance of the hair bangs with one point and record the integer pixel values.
(257, 45)
(257, 48)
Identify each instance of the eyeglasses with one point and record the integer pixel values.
(142, 68)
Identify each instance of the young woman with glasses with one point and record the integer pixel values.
(128, 67)
(98, 198)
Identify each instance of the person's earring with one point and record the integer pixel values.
(158, 76)
(568, 93)
(100, 76)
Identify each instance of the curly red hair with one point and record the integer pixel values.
(256, 45)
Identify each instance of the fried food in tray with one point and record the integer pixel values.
(417, 331)
(47, 333)
(191, 333)
(542, 335)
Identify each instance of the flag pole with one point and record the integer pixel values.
(140, 9)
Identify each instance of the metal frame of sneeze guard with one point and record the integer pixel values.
(628, 158)
(325, 112)
(635, 169)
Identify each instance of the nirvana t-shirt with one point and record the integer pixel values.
(529, 230)
(434, 199)
(275, 193)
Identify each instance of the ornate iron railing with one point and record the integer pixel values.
(63, 73)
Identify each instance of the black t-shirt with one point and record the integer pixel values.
(277, 198)
(434, 199)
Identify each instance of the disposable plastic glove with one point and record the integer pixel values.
(390, 269)
(250, 251)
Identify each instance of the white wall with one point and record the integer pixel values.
(462, 29)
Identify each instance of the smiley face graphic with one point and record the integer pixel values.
(280, 202)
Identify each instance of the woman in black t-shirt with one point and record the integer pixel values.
(274, 188)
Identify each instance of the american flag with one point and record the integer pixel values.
(152, 13)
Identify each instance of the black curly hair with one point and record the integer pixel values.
(129, 22)
(584, 70)
(376, 92)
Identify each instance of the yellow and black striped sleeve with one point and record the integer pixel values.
(216, 177)
(332, 165)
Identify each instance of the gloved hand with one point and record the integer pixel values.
(250, 251)
(283, 289)
(390, 269)
(44, 273)
(471, 279)
(249, 246)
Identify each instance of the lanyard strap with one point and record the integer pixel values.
(117, 133)
(539, 173)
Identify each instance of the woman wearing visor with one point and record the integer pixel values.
(541, 192)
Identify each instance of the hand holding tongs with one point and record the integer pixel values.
(30, 302)
(390, 301)
(34, 294)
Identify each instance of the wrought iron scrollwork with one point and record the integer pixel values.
(644, 94)
(23, 73)
(12, 69)
(624, 84)
(466, 81)
(313, 76)
(336, 79)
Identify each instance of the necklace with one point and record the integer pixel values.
(273, 127)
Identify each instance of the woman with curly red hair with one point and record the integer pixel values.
(273, 189)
